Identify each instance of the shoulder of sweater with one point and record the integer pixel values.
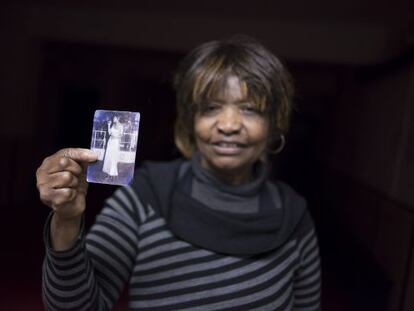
(296, 206)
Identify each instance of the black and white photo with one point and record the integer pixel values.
(114, 140)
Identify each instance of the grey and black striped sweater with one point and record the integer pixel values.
(171, 269)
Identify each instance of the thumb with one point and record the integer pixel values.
(79, 154)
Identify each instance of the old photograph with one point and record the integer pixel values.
(114, 140)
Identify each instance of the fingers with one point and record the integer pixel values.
(63, 180)
(58, 172)
(73, 160)
(64, 169)
(61, 187)
(78, 154)
(64, 164)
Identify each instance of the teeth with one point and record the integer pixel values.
(231, 145)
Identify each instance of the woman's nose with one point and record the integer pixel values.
(229, 121)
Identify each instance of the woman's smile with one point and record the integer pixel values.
(229, 148)
(230, 135)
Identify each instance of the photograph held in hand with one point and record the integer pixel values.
(114, 140)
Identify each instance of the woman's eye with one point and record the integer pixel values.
(249, 109)
(210, 108)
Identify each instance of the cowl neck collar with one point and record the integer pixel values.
(219, 231)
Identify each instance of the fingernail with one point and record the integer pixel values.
(89, 154)
(93, 155)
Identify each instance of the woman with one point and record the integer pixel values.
(115, 132)
(208, 233)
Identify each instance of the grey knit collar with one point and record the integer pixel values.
(250, 189)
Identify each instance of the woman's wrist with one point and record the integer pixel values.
(64, 231)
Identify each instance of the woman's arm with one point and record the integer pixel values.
(84, 273)
(92, 274)
(62, 187)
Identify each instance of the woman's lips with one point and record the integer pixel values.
(228, 148)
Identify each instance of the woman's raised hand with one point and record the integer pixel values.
(61, 181)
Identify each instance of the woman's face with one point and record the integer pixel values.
(230, 134)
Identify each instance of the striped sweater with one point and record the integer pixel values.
(132, 243)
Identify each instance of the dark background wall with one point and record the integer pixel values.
(350, 150)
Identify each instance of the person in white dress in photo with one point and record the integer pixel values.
(115, 131)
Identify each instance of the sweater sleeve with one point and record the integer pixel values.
(92, 274)
(307, 281)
